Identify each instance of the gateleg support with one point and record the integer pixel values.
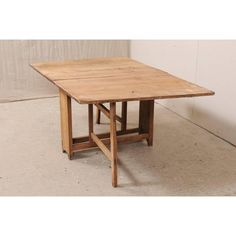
(146, 119)
(66, 123)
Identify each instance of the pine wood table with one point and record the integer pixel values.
(111, 80)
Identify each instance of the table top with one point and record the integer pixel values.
(115, 79)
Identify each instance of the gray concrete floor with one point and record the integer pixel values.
(184, 160)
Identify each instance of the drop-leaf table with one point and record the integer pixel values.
(111, 80)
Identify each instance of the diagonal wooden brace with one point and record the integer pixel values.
(106, 112)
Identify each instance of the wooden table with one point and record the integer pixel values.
(111, 80)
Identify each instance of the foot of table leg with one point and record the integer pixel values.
(66, 123)
(70, 156)
(146, 119)
(113, 143)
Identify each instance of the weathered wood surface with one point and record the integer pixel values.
(116, 79)
(66, 123)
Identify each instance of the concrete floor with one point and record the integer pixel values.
(184, 160)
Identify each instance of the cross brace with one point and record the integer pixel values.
(71, 145)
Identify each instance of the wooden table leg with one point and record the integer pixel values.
(146, 119)
(98, 117)
(66, 123)
(113, 139)
(90, 121)
(124, 116)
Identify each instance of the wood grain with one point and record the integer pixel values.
(66, 123)
(114, 67)
(113, 141)
(90, 121)
(101, 145)
(124, 116)
(116, 79)
(106, 135)
(120, 139)
(106, 112)
(146, 119)
(98, 116)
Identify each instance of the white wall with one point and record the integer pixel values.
(209, 63)
(19, 81)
